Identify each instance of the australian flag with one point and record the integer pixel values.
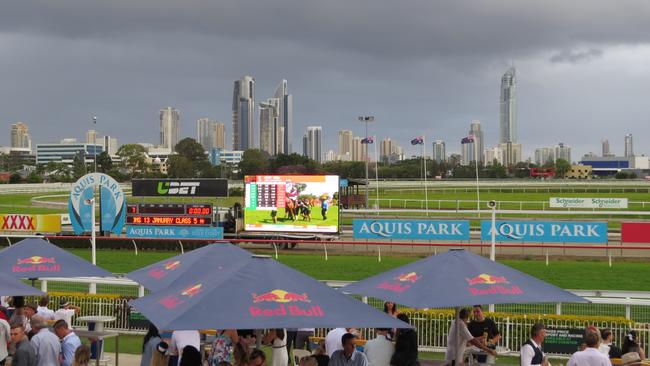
(417, 141)
(467, 140)
(367, 140)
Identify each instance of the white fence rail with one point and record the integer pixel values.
(459, 205)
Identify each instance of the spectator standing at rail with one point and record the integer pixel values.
(631, 344)
(607, 346)
(69, 342)
(46, 343)
(150, 345)
(66, 311)
(24, 354)
(43, 310)
(482, 326)
(531, 353)
(590, 356)
(379, 351)
(459, 337)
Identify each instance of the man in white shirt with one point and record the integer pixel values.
(66, 312)
(182, 338)
(458, 338)
(333, 340)
(42, 310)
(591, 356)
(531, 352)
(379, 350)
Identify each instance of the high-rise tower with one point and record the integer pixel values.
(508, 108)
(285, 117)
(243, 103)
(169, 129)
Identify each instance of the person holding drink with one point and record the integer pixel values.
(531, 353)
(480, 326)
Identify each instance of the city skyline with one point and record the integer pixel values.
(569, 88)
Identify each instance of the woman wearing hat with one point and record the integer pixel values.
(631, 344)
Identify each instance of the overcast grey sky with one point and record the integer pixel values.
(420, 67)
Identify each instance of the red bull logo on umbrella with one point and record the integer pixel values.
(282, 296)
(493, 285)
(402, 282)
(161, 272)
(172, 301)
(36, 264)
(409, 277)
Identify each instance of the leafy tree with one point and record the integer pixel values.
(562, 167)
(179, 167)
(79, 165)
(34, 177)
(104, 162)
(133, 158)
(58, 172)
(14, 178)
(191, 150)
(254, 161)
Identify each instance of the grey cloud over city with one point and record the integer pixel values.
(420, 67)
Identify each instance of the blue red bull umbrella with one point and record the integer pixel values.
(10, 286)
(37, 258)
(458, 278)
(258, 293)
(188, 266)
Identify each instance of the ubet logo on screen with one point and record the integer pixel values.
(177, 188)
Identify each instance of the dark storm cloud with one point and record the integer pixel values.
(572, 56)
(419, 66)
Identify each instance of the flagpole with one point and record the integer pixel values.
(478, 195)
(424, 161)
(376, 175)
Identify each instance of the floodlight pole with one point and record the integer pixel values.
(366, 119)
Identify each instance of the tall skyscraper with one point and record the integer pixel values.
(243, 103)
(508, 108)
(544, 155)
(285, 117)
(605, 144)
(20, 136)
(629, 146)
(439, 153)
(268, 125)
(169, 128)
(473, 151)
(385, 149)
(205, 133)
(511, 153)
(220, 135)
(109, 144)
(563, 151)
(345, 145)
(313, 142)
(91, 137)
(358, 149)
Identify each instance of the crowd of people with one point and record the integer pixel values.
(25, 334)
(231, 347)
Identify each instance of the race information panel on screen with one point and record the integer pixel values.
(292, 203)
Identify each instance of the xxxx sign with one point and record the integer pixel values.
(31, 223)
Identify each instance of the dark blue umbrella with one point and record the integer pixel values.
(458, 278)
(188, 266)
(36, 258)
(10, 286)
(258, 293)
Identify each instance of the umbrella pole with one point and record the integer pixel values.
(457, 340)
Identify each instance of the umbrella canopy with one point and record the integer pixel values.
(10, 286)
(257, 293)
(189, 266)
(458, 278)
(37, 258)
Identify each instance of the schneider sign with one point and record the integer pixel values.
(180, 187)
(581, 202)
(546, 231)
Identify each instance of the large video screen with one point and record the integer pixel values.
(292, 203)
